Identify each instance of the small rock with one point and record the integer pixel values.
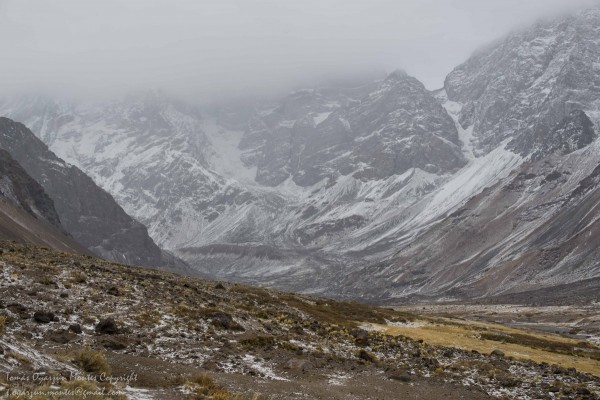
(430, 363)
(114, 343)
(75, 328)
(26, 335)
(19, 309)
(508, 381)
(448, 353)
(583, 391)
(361, 337)
(297, 329)
(497, 353)
(401, 377)
(107, 326)
(365, 355)
(225, 321)
(558, 370)
(61, 337)
(43, 317)
(113, 291)
(219, 286)
(500, 363)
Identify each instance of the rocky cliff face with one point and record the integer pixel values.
(383, 130)
(27, 213)
(87, 212)
(17, 187)
(524, 86)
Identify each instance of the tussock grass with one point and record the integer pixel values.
(3, 321)
(92, 361)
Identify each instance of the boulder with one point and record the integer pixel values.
(75, 328)
(107, 326)
(224, 321)
(43, 317)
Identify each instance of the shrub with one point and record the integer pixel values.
(92, 361)
(148, 318)
(78, 277)
(203, 386)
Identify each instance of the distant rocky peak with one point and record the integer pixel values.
(520, 88)
(398, 74)
(395, 125)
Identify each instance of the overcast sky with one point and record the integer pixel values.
(231, 47)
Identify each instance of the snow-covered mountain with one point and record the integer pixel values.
(535, 94)
(371, 188)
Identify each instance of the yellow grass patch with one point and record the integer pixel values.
(467, 335)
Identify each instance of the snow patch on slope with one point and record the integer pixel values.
(225, 155)
(453, 109)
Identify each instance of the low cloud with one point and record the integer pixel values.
(230, 48)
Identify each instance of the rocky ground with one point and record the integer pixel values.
(84, 327)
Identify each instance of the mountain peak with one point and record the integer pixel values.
(528, 82)
(398, 74)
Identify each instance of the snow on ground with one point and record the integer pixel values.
(479, 173)
(260, 367)
(338, 378)
(138, 394)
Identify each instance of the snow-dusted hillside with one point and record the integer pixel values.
(364, 182)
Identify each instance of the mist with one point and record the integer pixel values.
(207, 50)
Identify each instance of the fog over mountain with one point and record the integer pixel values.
(205, 50)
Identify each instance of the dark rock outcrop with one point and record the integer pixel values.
(107, 326)
(43, 317)
(87, 212)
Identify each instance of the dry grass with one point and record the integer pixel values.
(148, 318)
(78, 277)
(203, 387)
(344, 313)
(477, 336)
(92, 361)
(17, 356)
(2, 323)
